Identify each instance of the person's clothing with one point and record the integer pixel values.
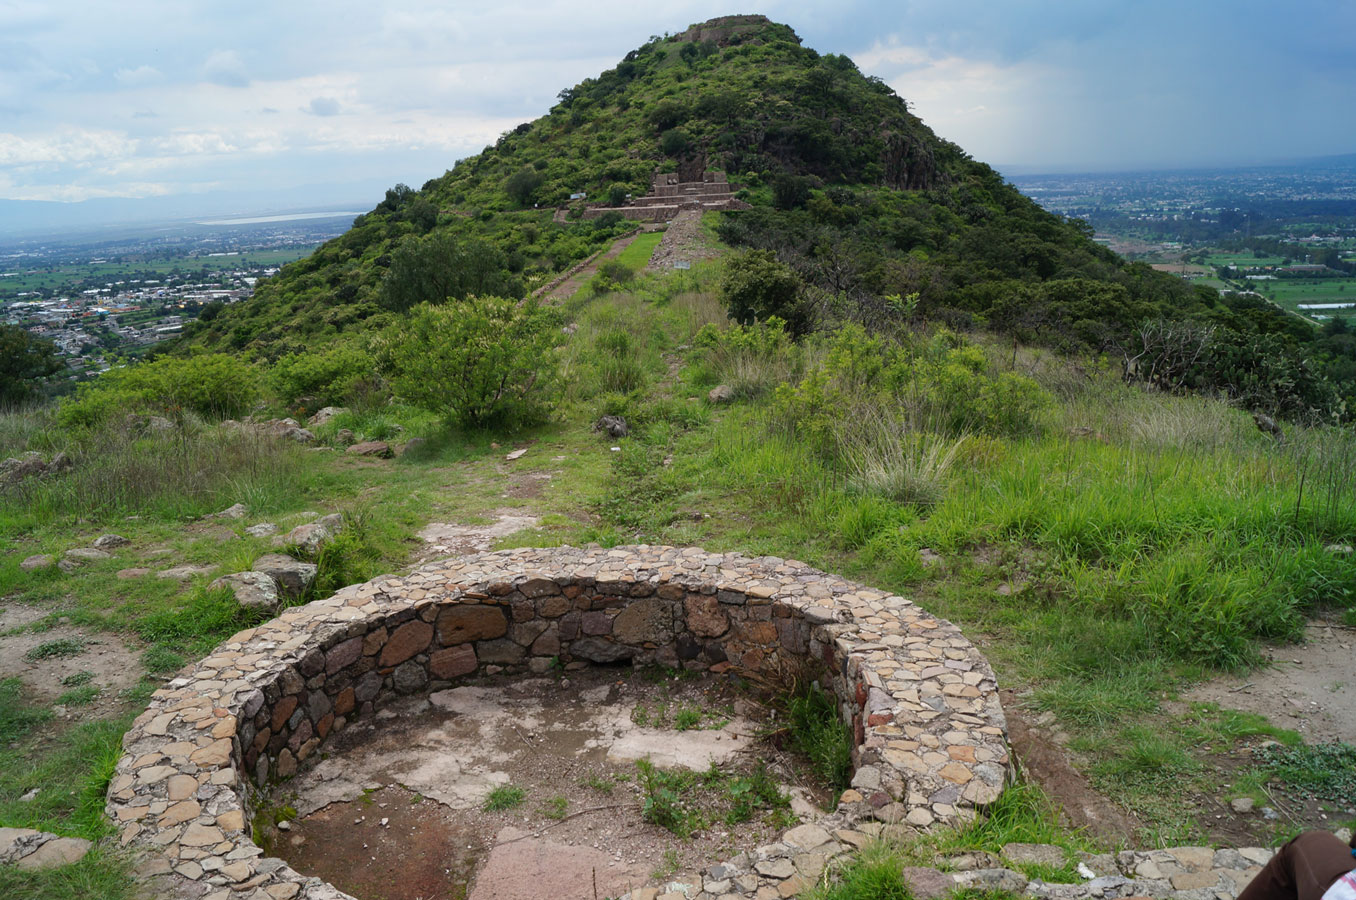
(1313, 866)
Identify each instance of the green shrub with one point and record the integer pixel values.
(334, 376)
(484, 361)
(212, 385)
(756, 286)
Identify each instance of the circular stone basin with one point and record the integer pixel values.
(928, 731)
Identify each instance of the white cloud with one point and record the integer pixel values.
(139, 76)
(225, 68)
(323, 106)
(69, 146)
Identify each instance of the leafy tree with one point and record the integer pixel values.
(675, 142)
(756, 286)
(480, 362)
(25, 360)
(442, 266)
(522, 186)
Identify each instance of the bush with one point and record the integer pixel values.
(482, 362)
(756, 286)
(329, 377)
(213, 385)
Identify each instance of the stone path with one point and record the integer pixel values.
(683, 240)
(580, 275)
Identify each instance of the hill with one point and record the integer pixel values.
(878, 217)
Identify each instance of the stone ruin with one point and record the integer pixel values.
(928, 731)
(669, 194)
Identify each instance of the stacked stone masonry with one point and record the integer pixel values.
(930, 740)
(668, 195)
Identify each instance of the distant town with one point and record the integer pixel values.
(102, 298)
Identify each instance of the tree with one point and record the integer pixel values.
(25, 361)
(522, 185)
(480, 362)
(756, 286)
(442, 266)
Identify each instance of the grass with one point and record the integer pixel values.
(1314, 772)
(637, 254)
(57, 649)
(101, 875)
(504, 796)
(685, 802)
(555, 808)
(817, 731)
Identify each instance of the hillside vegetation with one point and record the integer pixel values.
(898, 369)
(880, 220)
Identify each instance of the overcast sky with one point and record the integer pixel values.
(137, 98)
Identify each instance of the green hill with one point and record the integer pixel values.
(878, 217)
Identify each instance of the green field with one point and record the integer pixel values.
(1244, 260)
(1290, 293)
(636, 255)
(69, 276)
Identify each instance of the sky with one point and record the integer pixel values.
(154, 99)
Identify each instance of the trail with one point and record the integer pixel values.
(565, 289)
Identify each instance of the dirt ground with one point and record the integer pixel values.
(113, 664)
(405, 795)
(1309, 688)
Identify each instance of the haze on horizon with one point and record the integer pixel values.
(153, 99)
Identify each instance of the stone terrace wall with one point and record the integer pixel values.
(929, 732)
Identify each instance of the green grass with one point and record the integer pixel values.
(101, 875)
(637, 254)
(81, 696)
(555, 808)
(818, 732)
(873, 873)
(62, 647)
(1316, 772)
(504, 796)
(684, 802)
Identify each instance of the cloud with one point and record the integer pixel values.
(69, 146)
(141, 75)
(224, 67)
(323, 106)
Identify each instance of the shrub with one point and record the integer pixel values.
(213, 385)
(756, 286)
(483, 361)
(328, 377)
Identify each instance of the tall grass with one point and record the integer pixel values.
(119, 471)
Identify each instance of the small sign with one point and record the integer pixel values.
(682, 264)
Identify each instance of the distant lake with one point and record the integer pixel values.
(290, 217)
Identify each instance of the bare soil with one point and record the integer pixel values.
(570, 742)
(1309, 688)
(114, 663)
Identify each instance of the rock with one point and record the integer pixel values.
(334, 522)
(59, 851)
(453, 662)
(263, 529)
(1339, 549)
(238, 511)
(379, 449)
(33, 563)
(409, 677)
(615, 426)
(721, 393)
(704, 615)
(253, 590)
(1034, 854)
(600, 651)
(292, 575)
(308, 537)
(109, 541)
(927, 884)
(993, 879)
(345, 437)
(16, 469)
(134, 572)
(60, 463)
(413, 443)
(649, 619)
(183, 573)
(324, 415)
(1242, 804)
(86, 554)
(158, 423)
(472, 622)
(516, 454)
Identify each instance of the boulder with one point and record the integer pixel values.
(253, 590)
(721, 393)
(412, 444)
(16, 469)
(293, 576)
(371, 448)
(33, 563)
(614, 426)
(324, 415)
(86, 554)
(185, 572)
(600, 651)
(308, 538)
(109, 541)
(238, 511)
(29, 849)
(345, 436)
(263, 529)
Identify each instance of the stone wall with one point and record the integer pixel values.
(928, 730)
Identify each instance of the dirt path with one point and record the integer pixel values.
(684, 240)
(1309, 688)
(565, 290)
